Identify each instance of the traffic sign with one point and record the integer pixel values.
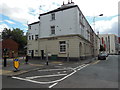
(16, 63)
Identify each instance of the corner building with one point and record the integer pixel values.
(63, 33)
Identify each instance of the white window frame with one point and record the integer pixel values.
(53, 16)
(63, 47)
(52, 30)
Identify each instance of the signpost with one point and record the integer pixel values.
(16, 64)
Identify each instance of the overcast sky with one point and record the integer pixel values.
(17, 13)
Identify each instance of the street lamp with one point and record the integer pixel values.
(94, 30)
(94, 20)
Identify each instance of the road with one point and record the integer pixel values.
(100, 74)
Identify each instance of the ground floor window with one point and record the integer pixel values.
(62, 46)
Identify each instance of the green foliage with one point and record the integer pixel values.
(17, 35)
(102, 48)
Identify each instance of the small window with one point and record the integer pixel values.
(36, 51)
(29, 51)
(29, 27)
(52, 29)
(53, 16)
(29, 37)
(62, 46)
(36, 37)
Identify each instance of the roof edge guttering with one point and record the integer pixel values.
(63, 7)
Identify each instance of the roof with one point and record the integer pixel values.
(34, 23)
(59, 9)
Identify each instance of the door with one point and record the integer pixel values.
(42, 54)
(32, 53)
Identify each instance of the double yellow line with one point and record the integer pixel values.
(95, 62)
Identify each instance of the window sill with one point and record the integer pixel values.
(62, 52)
(53, 20)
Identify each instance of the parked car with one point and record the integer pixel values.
(102, 56)
(106, 54)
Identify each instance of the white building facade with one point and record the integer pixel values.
(110, 43)
(64, 33)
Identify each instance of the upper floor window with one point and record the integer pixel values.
(52, 29)
(53, 16)
(29, 37)
(29, 27)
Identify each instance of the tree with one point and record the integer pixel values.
(102, 48)
(16, 35)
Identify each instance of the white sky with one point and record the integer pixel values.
(20, 10)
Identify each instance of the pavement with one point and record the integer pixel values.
(36, 65)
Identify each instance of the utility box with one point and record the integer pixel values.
(54, 57)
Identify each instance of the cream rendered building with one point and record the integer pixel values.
(64, 33)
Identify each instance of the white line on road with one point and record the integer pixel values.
(55, 69)
(53, 85)
(45, 76)
(56, 81)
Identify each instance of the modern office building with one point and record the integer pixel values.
(64, 33)
(110, 43)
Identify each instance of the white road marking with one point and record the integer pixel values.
(53, 85)
(80, 66)
(58, 72)
(64, 71)
(55, 69)
(56, 81)
(45, 76)
(60, 64)
(83, 67)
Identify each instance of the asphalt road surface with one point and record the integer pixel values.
(100, 74)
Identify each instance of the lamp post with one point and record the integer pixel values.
(94, 31)
(94, 20)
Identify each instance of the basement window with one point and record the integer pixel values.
(62, 46)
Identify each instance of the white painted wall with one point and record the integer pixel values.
(65, 23)
(34, 30)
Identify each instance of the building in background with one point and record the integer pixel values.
(64, 33)
(9, 48)
(119, 44)
(110, 43)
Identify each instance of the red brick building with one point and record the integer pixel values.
(119, 39)
(10, 47)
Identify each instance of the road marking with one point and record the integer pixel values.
(53, 85)
(80, 66)
(83, 67)
(96, 62)
(56, 81)
(36, 64)
(55, 69)
(56, 62)
(45, 76)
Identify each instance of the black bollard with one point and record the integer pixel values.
(5, 61)
(47, 63)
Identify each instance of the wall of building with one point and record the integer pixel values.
(65, 23)
(76, 47)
